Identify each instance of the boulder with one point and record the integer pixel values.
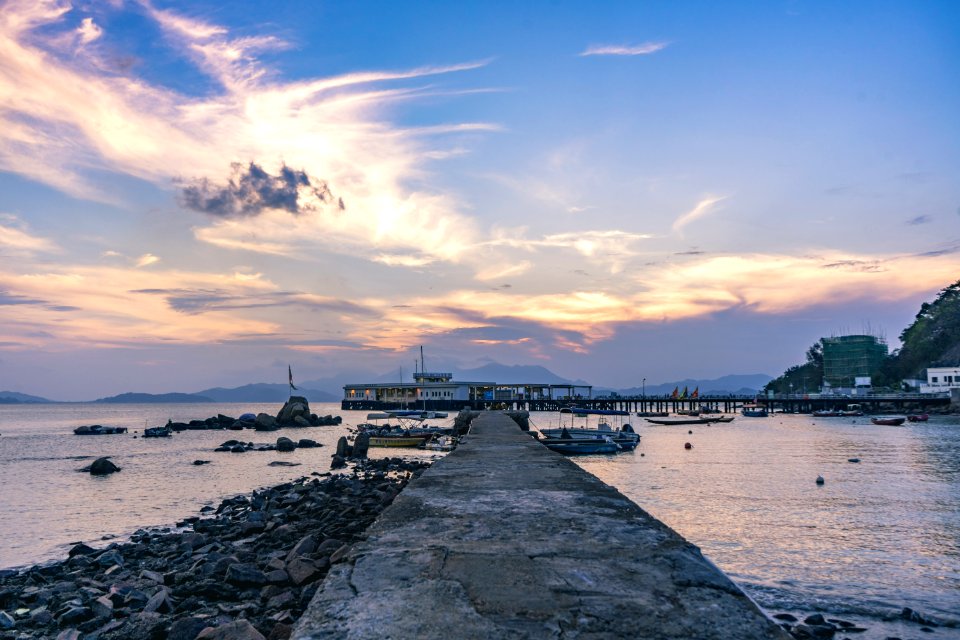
(300, 421)
(102, 467)
(6, 622)
(245, 574)
(239, 630)
(342, 447)
(360, 445)
(301, 571)
(296, 406)
(306, 546)
(186, 628)
(285, 444)
(306, 443)
(265, 422)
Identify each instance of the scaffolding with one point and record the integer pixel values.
(846, 358)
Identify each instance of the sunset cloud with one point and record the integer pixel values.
(16, 238)
(60, 119)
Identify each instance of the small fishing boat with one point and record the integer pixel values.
(754, 411)
(581, 446)
(397, 441)
(440, 443)
(889, 421)
(826, 413)
(918, 417)
(157, 432)
(686, 421)
(623, 434)
(653, 414)
(725, 419)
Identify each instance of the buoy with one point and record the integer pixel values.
(641, 455)
(689, 431)
(819, 479)
(688, 446)
(853, 459)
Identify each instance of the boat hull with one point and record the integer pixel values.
(573, 447)
(888, 422)
(396, 441)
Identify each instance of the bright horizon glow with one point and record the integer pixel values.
(575, 188)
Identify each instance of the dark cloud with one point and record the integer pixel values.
(193, 301)
(9, 299)
(62, 307)
(945, 251)
(251, 189)
(855, 265)
(689, 253)
(919, 220)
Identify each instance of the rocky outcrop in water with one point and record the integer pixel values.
(246, 571)
(101, 467)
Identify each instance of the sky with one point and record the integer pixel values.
(201, 194)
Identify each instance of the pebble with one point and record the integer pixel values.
(259, 557)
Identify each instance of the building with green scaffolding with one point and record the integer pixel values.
(847, 358)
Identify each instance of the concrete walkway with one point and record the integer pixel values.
(505, 539)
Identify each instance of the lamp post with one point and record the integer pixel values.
(643, 392)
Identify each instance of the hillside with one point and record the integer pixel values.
(138, 398)
(744, 384)
(263, 392)
(931, 340)
(12, 397)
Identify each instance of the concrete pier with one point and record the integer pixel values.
(505, 539)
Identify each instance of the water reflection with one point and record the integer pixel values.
(879, 535)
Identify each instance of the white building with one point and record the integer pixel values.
(941, 380)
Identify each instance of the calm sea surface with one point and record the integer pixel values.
(880, 535)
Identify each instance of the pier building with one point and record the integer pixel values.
(439, 391)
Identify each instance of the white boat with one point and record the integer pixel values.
(623, 435)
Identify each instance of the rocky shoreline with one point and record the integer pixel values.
(245, 570)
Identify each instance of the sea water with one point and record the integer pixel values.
(879, 535)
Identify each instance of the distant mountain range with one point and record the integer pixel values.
(330, 389)
(12, 397)
(725, 385)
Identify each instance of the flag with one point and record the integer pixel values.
(696, 393)
(290, 377)
(676, 391)
(684, 394)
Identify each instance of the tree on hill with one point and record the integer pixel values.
(933, 339)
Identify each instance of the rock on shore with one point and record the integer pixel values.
(247, 572)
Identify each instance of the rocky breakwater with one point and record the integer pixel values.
(294, 413)
(245, 570)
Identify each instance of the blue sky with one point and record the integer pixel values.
(614, 190)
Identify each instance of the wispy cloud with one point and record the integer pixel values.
(624, 50)
(65, 123)
(919, 220)
(146, 260)
(704, 207)
(15, 237)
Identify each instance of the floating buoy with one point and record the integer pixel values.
(641, 455)
(819, 479)
(688, 446)
(690, 432)
(853, 459)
